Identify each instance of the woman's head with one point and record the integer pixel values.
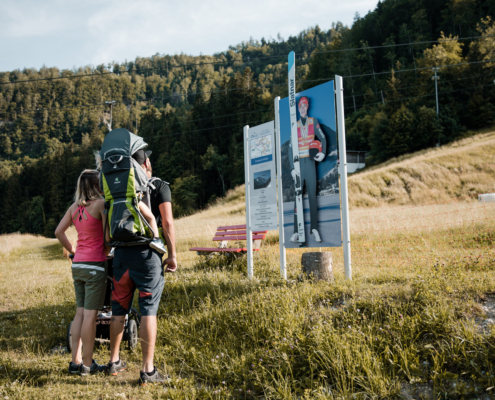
(87, 187)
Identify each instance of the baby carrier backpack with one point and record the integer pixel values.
(124, 183)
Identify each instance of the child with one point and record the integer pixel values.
(156, 243)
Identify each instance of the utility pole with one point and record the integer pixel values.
(436, 78)
(111, 103)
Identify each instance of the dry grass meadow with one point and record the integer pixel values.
(416, 322)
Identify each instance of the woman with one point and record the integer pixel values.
(89, 267)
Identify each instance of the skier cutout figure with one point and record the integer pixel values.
(312, 148)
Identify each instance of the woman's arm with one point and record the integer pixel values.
(64, 224)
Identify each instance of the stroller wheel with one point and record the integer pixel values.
(132, 334)
(68, 338)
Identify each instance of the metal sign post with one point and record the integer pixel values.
(346, 235)
(281, 238)
(249, 233)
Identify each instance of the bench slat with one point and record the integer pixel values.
(218, 250)
(231, 227)
(233, 233)
(236, 237)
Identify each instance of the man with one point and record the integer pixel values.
(308, 130)
(161, 207)
(141, 267)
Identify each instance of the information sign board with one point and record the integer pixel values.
(263, 182)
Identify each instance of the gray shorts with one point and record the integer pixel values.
(137, 267)
(90, 284)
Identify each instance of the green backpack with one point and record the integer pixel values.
(124, 183)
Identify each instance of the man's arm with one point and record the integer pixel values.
(321, 136)
(168, 234)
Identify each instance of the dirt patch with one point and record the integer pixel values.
(486, 322)
(420, 391)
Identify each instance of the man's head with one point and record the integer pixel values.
(142, 158)
(303, 106)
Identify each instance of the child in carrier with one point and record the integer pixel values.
(156, 243)
(89, 268)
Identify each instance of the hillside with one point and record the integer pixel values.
(460, 170)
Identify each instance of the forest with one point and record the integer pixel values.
(191, 109)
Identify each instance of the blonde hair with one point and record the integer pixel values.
(87, 187)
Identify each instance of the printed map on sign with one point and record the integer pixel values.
(261, 149)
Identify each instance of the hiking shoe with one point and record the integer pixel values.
(152, 377)
(93, 369)
(158, 245)
(113, 368)
(74, 368)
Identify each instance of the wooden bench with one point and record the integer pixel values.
(224, 234)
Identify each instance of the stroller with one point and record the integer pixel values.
(132, 320)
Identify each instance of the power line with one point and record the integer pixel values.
(199, 130)
(270, 85)
(255, 111)
(388, 101)
(242, 62)
(202, 119)
(246, 123)
(400, 44)
(425, 95)
(210, 118)
(426, 84)
(417, 69)
(179, 122)
(57, 108)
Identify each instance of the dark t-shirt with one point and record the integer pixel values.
(161, 194)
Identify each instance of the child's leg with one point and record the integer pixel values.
(148, 216)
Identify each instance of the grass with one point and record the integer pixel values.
(409, 324)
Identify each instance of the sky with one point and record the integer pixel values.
(68, 33)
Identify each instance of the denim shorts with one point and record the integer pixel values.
(136, 267)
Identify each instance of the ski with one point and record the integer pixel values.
(295, 149)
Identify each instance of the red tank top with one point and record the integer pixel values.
(90, 244)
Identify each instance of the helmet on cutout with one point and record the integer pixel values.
(315, 147)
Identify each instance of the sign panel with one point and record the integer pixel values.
(318, 176)
(263, 189)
